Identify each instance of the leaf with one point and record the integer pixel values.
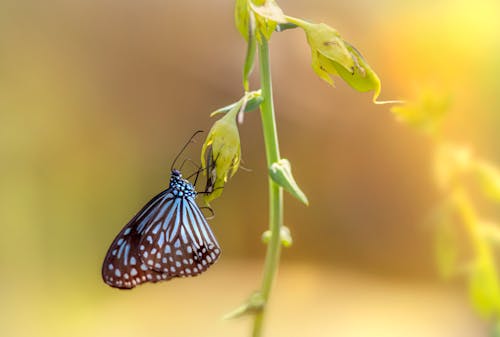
(281, 173)
(254, 100)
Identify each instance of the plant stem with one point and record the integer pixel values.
(275, 192)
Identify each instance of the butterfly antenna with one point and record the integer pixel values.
(183, 148)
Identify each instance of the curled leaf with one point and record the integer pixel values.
(281, 173)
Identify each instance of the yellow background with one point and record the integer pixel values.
(97, 97)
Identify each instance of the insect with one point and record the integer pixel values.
(168, 238)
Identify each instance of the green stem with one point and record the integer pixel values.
(275, 192)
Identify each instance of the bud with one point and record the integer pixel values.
(221, 152)
(333, 56)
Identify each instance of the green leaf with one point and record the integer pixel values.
(484, 288)
(281, 173)
(254, 99)
(285, 236)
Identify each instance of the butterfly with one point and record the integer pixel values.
(168, 238)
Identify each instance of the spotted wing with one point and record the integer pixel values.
(179, 242)
(123, 266)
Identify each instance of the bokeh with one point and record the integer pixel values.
(97, 98)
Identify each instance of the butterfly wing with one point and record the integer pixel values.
(123, 266)
(179, 241)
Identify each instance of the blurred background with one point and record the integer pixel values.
(97, 98)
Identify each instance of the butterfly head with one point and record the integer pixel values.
(176, 173)
(180, 186)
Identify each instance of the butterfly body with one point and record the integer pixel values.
(169, 237)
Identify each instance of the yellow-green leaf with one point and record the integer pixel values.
(281, 173)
